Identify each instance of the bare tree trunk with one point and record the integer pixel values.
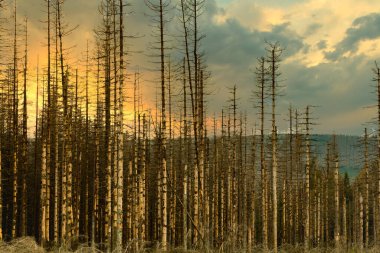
(44, 199)
(143, 214)
(297, 218)
(361, 223)
(366, 198)
(202, 207)
(44, 181)
(336, 194)
(36, 204)
(251, 216)
(290, 194)
(63, 170)
(2, 121)
(96, 214)
(164, 233)
(15, 174)
(185, 208)
(185, 172)
(307, 200)
(260, 72)
(67, 212)
(120, 139)
(273, 60)
(327, 206)
(319, 194)
(260, 94)
(107, 188)
(344, 218)
(84, 172)
(377, 220)
(22, 188)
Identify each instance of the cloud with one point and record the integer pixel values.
(232, 44)
(231, 51)
(312, 28)
(363, 28)
(236, 32)
(246, 12)
(340, 89)
(322, 44)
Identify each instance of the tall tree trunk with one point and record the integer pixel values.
(15, 174)
(164, 233)
(21, 221)
(366, 198)
(377, 208)
(336, 194)
(120, 136)
(361, 223)
(260, 72)
(273, 60)
(307, 200)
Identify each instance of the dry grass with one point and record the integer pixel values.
(28, 245)
(22, 245)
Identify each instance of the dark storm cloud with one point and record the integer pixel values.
(335, 87)
(232, 50)
(327, 83)
(231, 43)
(363, 28)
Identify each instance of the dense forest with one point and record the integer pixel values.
(175, 176)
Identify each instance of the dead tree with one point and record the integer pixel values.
(65, 221)
(274, 53)
(336, 193)
(307, 182)
(120, 158)
(14, 176)
(261, 78)
(376, 71)
(22, 208)
(366, 181)
(160, 9)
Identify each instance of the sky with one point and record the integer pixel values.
(330, 48)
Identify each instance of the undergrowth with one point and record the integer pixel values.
(28, 245)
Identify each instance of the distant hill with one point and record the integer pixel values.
(351, 151)
(350, 148)
(351, 154)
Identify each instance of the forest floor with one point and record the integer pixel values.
(28, 245)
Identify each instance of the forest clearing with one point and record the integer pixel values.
(90, 164)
